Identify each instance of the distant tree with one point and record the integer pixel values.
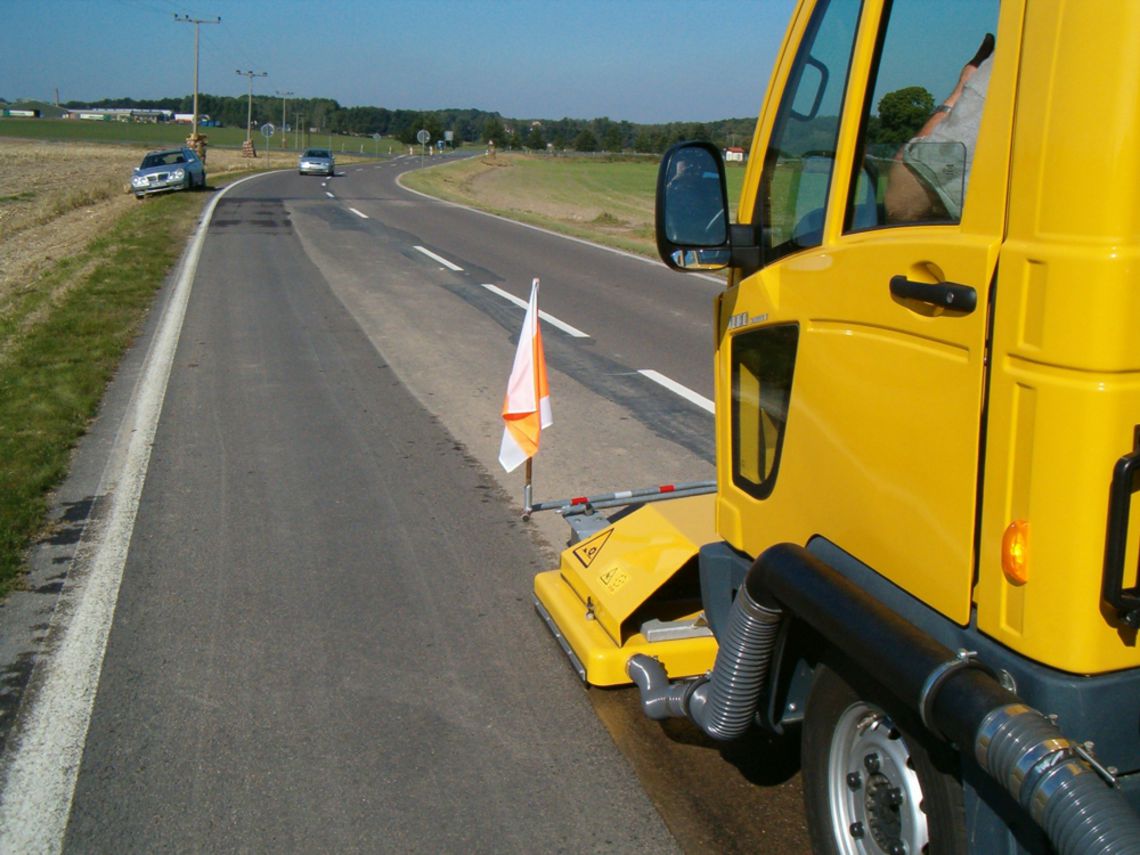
(902, 113)
(494, 132)
(651, 139)
(534, 139)
(404, 125)
(694, 131)
(433, 126)
(556, 137)
(585, 141)
(613, 139)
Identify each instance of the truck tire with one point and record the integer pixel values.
(875, 781)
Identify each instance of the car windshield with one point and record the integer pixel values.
(161, 158)
(317, 152)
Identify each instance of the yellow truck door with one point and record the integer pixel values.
(879, 240)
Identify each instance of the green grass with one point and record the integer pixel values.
(169, 134)
(59, 355)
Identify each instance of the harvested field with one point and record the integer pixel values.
(55, 198)
(80, 260)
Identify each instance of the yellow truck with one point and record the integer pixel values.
(921, 555)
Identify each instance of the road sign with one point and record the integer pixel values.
(268, 129)
(423, 136)
(377, 137)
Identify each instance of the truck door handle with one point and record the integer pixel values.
(1125, 484)
(947, 295)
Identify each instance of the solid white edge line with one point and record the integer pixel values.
(550, 319)
(439, 258)
(47, 741)
(677, 389)
(359, 214)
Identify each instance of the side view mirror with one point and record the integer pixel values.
(692, 208)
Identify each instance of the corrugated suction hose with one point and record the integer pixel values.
(1038, 766)
(722, 704)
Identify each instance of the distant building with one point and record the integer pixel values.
(120, 114)
(734, 154)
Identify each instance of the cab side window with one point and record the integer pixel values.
(920, 121)
(800, 159)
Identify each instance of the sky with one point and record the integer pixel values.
(645, 61)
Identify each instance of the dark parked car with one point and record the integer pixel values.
(316, 161)
(169, 169)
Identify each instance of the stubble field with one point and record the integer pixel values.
(55, 198)
(80, 260)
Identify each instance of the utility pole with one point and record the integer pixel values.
(200, 146)
(284, 140)
(247, 149)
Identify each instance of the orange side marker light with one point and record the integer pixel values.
(1015, 552)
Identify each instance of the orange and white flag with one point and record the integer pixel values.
(526, 407)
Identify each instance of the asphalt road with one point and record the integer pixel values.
(323, 637)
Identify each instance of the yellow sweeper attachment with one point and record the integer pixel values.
(633, 587)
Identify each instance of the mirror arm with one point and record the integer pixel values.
(745, 248)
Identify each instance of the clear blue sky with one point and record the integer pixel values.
(639, 60)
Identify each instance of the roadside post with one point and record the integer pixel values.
(423, 136)
(267, 131)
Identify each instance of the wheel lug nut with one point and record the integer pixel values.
(897, 849)
(854, 780)
(894, 797)
(871, 761)
(856, 830)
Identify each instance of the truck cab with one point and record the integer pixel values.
(928, 424)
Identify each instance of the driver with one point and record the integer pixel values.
(929, 176)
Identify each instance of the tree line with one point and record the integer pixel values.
(899, 115)
(465, 125)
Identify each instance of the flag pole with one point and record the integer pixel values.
(526, 406)
(527, 487)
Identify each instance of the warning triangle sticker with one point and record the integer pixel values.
(588, 551)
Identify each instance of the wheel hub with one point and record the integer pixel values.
(875, 796)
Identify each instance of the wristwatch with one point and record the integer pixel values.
(942, 108)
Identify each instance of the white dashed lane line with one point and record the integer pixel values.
(656, 376)
(362, 216)
(330, 195)
(550, 319)
(677, 389)
(438, 258)
(648, 373)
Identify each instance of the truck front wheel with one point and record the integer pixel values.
(874, 780)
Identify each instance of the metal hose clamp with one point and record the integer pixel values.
(935, 679)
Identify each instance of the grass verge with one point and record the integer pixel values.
(609, 201)
(605, 201)
(58, 358)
